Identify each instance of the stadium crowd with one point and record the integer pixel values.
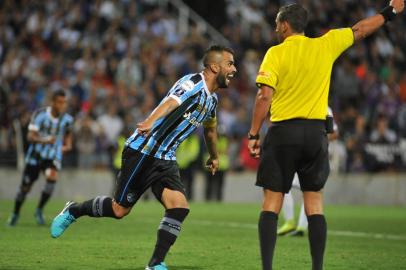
(117, 59)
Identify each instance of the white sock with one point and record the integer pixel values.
(302, 218)
(288, 207)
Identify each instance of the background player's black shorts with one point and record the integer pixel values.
(296, 145)
(139, 172)
(31, 172)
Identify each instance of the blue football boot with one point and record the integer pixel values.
(161, 266)
(62, 221)
(12, 221)
(39, 217)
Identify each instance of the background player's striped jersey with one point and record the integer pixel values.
(196, 105)
(46, 125)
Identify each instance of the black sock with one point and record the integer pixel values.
(168, 231)
(100, 206)
(267, 227)
(20, 198)
(317, 239)
(46, 193)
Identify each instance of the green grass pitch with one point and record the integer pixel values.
(214, 236)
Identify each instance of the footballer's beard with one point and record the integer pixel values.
(222, 81)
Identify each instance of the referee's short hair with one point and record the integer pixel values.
(295, 15)
(208, 55)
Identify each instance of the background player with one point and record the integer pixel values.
(49, 135)
(149, 158)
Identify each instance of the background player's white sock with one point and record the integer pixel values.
(288, 207)
(302, 224)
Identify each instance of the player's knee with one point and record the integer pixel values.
(313, 207)
(120, 211)
(177, 204)
(313, 210)
(174, 199)
(51, 174)
(25, 188)
(180, 204)
(313, 203)
(272, 201)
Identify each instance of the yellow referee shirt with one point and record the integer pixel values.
(299, 71)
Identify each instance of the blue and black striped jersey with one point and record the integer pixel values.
(46, 125)
(196, 105)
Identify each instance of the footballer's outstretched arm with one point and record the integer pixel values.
(165, 108)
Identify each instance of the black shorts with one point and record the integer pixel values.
(139, 172)
(31, 172)
(296, 145)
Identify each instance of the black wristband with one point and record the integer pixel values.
(388, 13)
(253, 137)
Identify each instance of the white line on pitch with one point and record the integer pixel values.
(330, 232)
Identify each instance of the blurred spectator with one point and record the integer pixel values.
(87, 140)
(119, 53)
(345, 86)
(119, 147)
(355, 143)
(402, 88)
(215, 183)
(247, 161)
(382, 149)
(111, 125)
(186, 156)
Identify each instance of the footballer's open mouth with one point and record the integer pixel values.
(229, 77)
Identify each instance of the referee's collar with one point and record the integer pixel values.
(205, 85)
(294, 37)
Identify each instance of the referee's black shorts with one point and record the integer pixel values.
(297, 145)
(139, 172)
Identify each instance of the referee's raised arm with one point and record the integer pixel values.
(369, 25)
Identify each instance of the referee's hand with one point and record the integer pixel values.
(254, 146)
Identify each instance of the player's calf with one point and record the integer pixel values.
(168, 231)
(101, 206)
(45, 196)
(18, 202)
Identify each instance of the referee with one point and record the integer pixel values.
(293, 82)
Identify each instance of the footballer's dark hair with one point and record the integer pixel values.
(208, 54)
(295, 15)
(58, 93)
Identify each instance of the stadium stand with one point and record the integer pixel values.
(118, 58)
